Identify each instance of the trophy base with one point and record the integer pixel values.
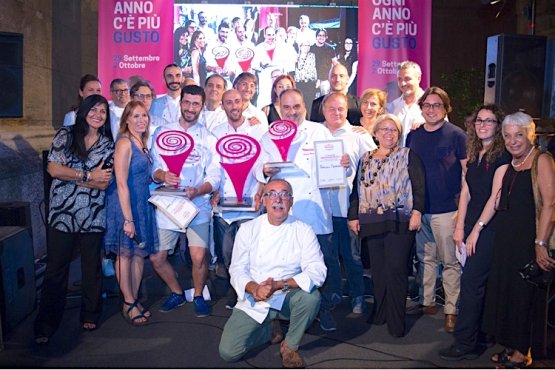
(169, 190)
(280, 164)
(236, 207)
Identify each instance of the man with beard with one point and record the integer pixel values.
(227, 222)
(312, 205)
(406, 106)
(229, 69)
(276, 266)
(442, 148)
(167, 106)
(339, 81)
(199, 176)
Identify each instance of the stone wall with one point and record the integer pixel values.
(54, 59)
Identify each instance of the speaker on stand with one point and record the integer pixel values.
(515, 69)
(11, 74)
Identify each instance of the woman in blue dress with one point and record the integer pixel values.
(131, 223)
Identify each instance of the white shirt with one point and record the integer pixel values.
(355, 145)
(311, 205)
(167, 108)
(407, 114)
(251, 187)
(212, 118)
(69, 118)
(201, 166)
(253, 111)
(262, 250)
(115, 118)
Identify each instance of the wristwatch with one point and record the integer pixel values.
(285, 288)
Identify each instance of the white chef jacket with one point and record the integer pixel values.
(262, 250)
(311, 205)
(201, 166)
(227, 189)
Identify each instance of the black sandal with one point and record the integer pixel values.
(502, 357)
(134, 320)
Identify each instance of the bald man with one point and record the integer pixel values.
(339, 82)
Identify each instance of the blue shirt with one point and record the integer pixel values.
(441, 152)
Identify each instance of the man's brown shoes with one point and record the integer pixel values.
(449, 324)
(289, 358)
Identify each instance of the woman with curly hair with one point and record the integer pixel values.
(475, 227)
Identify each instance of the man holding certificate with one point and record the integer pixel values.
(238, 199)
(288, 152)
(186, 162)
(346, 243)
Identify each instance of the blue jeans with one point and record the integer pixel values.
(224, 237)
(332, 286)
(348, 244)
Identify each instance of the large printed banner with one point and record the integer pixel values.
(391, 31)
(134, 40)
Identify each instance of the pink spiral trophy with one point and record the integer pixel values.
(220, 54)
(239, 153)
(174, 147)
(282, 133)
(244, 57)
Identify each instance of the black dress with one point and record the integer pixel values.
(479, 178)
(273, 114)
(511, 302)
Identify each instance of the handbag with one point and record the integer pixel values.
(531, 272)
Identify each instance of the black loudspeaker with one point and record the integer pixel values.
(15, 214)
(549, 82)
(11, 74)
(515, 70)
(17, 275)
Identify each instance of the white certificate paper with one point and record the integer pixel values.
(329, 170)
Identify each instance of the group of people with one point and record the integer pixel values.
(234, 46)
(415, 184)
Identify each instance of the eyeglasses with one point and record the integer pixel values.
(273, 195)
(434, 106)
(388, 129)
(487, 121)
(348, 43)
(143, 96)
(120, 91)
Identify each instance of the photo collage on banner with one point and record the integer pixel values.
(267, 41)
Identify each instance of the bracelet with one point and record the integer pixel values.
(128, 222)
(541, 243)
(78, 175)
(481, 224)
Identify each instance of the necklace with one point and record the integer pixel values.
(524, 160)
(372, 176)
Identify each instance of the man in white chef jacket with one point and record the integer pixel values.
(312, 205)
(275, 269)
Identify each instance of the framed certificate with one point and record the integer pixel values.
(329, 170)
